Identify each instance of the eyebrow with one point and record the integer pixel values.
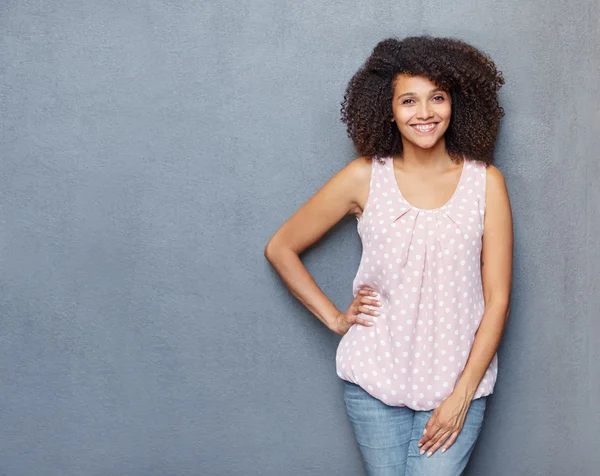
(414, 94)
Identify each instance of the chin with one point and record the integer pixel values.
(426, 145)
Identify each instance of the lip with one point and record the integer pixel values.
(425, 132)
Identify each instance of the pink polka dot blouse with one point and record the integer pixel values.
(425, 265)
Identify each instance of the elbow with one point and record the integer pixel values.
(277, 248)
(275, 252)
(498, 301)
(270, 250)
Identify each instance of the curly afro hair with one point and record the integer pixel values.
(468, 74)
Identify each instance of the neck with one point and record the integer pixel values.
(435, 157)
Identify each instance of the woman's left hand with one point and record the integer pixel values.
(445, 423)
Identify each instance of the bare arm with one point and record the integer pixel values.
(336, 199)
(497, 255)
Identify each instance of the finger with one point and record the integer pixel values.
(369, 301)
(367, 292)
(431, 427)
(364, 291)
(439, 441)
(367, 310)
(371, 304)
(363, 322)
(430, 438)
(450, 441)
(433, 440)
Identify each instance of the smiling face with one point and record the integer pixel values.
(421, 110)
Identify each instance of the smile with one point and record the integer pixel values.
(424, 128)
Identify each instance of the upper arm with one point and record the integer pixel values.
(497, 247)
(335, 199)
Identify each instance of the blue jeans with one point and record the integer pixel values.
(388, 437)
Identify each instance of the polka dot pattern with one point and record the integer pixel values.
(425, 266)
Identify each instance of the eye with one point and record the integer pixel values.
(405, 101)
(439, 96)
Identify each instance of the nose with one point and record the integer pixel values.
(424, 111)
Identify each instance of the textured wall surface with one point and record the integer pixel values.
(151, 148)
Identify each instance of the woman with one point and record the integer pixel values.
(418, 352)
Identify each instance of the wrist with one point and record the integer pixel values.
(331, 320)
(465, 389)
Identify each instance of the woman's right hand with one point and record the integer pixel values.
(345, 320)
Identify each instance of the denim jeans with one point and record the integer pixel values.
(388, 437)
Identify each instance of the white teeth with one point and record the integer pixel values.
(425, 128)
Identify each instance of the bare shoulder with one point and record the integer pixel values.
(359, 169)
(359, 173)
(495, 181)
(494, 175)
(497, 199)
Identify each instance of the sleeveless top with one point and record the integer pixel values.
(425, 265)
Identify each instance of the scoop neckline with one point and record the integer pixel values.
(445, 205)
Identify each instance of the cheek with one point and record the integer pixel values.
(403, 116)
(445, 112)
(403, 128)
(402, 119)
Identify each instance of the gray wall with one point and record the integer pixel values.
(151, 148)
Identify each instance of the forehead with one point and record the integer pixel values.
(417, 84)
